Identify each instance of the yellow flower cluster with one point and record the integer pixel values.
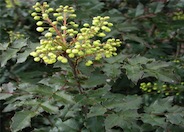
(178, 16)
(62, 39)
(160, 88)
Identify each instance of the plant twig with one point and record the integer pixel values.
(75, 73)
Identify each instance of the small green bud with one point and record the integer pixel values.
(71, 34)
(110, 24)
(64, 60)
(54, 22)
(71, 55)
(89, 63)
(37, 59)
(106, 18)
(37, 4)
(63, 27)
(40, 29)
(65, 10)
(45, 3)
(59, 58)
(58, 9)
(45, 16)
(75, 51)
(89, 51)
(80, 37)
(41, 55)
(37, 18)
(39, 23)
(101, 34)
(80, 53)
(77, 46)
(149, 90)
(37, 9)
(68, 51)
(50, 9)
(34, 14)
(86, 25)
(148, 84)
(177, 94)
(48, 34)
(59, 47)
(34, 54)
(95, 22)
(59, 18)
(56, 14)
(50, 54)
(96, 43)
(96, 29)
(75, 25)
(51, 29)
(154, 88)
(72, 15)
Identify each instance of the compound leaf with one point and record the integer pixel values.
(21, 120)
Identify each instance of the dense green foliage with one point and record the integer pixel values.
(141, 88)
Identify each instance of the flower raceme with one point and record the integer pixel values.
(62, 39)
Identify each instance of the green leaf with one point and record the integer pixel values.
(96, 110)
(153, 120)
(159, 106)
(134, 73)
(95, 124)
(21, 120)
(85, 70)
(136, 39)
(7, 55)
(131, 102)
(55, 81)
(4, 46)
(125, 119)
(42, 90)
(8, 87)
(115, 59)
(49, 108)
(175, 115)
(7, 90)
(176, 118)
(167, 76)
(155, 65)
(70, 125)
(31, 76)
(139, 60)
(4, 96)
(96, 78)
(21, 57)
(42, 129)
(10, 107)
(63, 97)
(113, 66)
(124, 27)
(112, 120)
(70, 110)
(123, 103)
(94, 96)
(158, 7)
(139, 9)
(98, 92)
(112, 70)
(115, 15)
(140, 67)
(19, 43)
